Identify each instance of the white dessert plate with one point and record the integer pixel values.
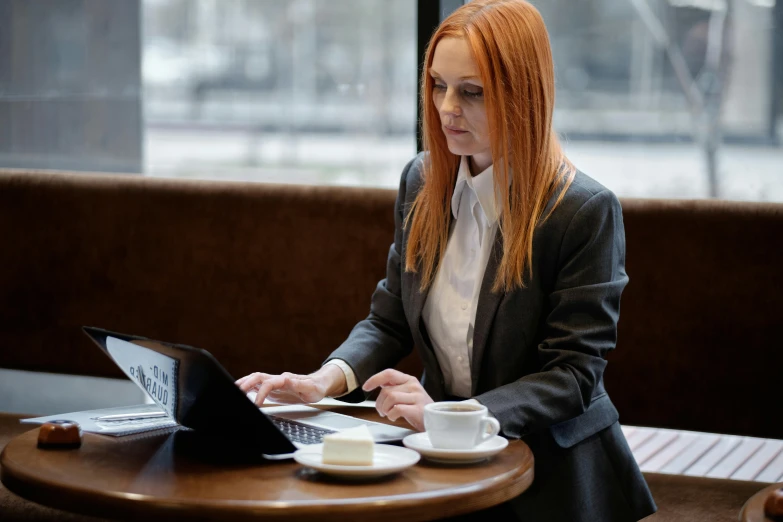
(421, 443)
(386, 460)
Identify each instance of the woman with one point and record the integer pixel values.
(506, 273)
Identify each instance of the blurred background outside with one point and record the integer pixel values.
(324, 91)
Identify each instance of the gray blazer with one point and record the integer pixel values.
(538, 353)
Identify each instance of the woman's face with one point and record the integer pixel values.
(458, 94)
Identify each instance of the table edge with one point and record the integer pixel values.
(480, 495)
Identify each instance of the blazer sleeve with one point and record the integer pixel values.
(580, 328)
(384, 338)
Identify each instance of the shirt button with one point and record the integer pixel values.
(459, 358)
(464, 306)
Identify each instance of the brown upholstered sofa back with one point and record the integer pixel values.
(273, 278)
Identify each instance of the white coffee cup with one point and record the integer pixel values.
(458, 425)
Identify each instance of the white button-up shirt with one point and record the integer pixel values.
(450, 309)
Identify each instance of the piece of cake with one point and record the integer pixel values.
(350, 447)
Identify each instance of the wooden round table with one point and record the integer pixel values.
(151, 477)
(753, 510)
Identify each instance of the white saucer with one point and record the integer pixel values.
(421, 443)
(386, 460)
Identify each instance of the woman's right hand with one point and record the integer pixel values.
(291, 388)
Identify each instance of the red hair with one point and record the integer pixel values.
(510, 46)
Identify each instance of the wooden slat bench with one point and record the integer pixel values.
(710, 455)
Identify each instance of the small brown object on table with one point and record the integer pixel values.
(764, 506)
(773, 506)
(150, 476)
(60, 434)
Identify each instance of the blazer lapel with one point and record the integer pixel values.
(417, 299)
(486, 308)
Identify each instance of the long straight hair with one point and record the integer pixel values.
(510, 46)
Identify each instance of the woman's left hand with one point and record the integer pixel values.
(401, 395)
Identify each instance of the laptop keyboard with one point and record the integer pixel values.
(298, 432)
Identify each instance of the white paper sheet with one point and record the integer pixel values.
(90, 420)
(153, 372)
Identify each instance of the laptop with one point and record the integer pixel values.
(193, 389)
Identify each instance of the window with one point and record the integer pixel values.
(300, 91)
(655, 98)
(623, 68)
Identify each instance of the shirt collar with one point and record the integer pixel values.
(483, 185)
